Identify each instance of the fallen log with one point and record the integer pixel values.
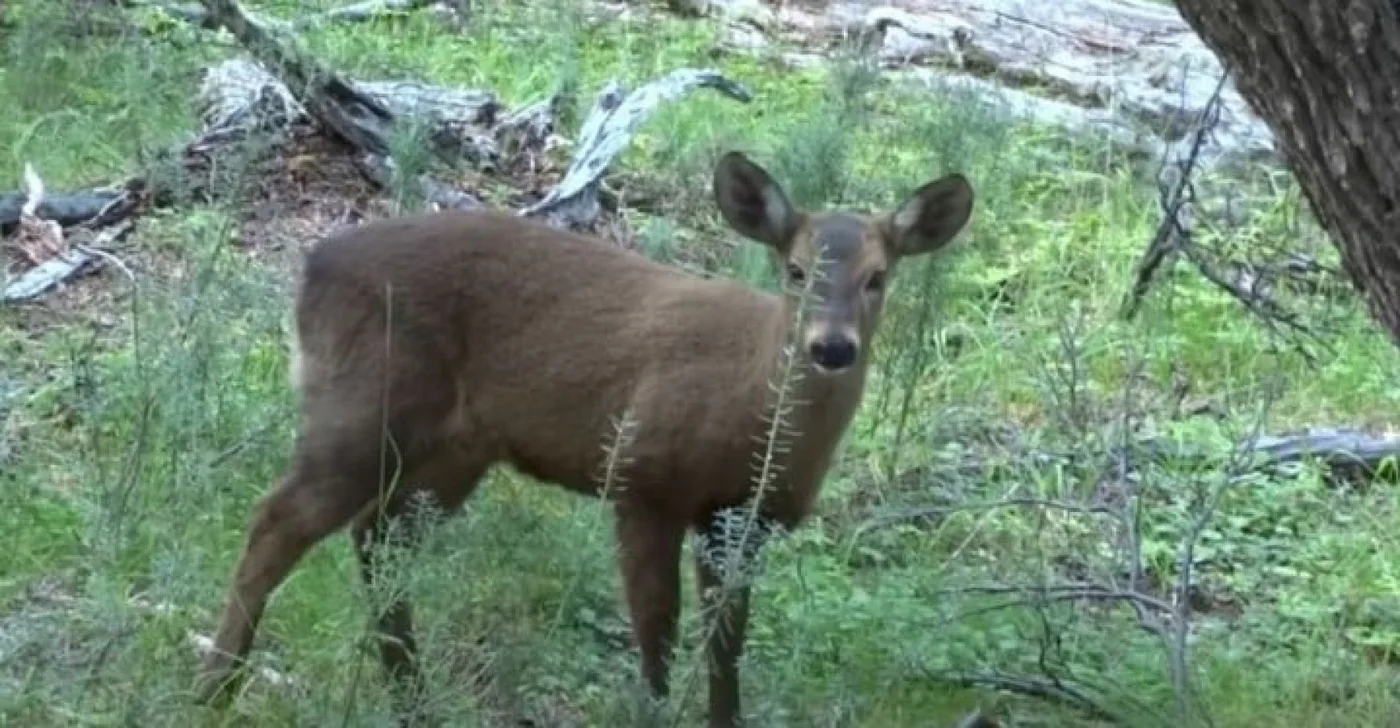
(66, 209)
(241, 97)
(37, 280)
(1131, 67)
(47, 244)
(1347, 457)
(364, 115)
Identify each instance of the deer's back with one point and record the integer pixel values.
(529, 345)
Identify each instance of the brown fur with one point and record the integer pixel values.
(479, 338)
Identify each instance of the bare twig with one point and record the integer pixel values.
(1066, 592)
(1118, 506)
(1175, 236)
(1043, 688)
(904, 515)
(1175, 199)
(98, 247)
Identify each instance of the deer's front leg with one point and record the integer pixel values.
(650, 554)
(729, 556)
(726, 625)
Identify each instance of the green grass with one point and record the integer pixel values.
(137, 429)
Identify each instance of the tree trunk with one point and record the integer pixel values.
(1325, 76)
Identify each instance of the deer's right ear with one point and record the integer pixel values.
(752, 203)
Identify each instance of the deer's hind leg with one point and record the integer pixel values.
(447, 479)
(343, 464)
(323, 490)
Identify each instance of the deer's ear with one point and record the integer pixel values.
(753, 204)
(930, 217)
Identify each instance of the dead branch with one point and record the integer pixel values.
(607, 130)
(66, 209)
(346, 112)
(1254, 292)
(1174, 200)
(366, 120)
(361, 115)
(239, 97)
(1345, 456)
(44, 242)
(35, 281)
(1070, 592)
(38, 239)
(1043, 688)
(1175, 236)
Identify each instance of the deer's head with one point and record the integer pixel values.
(840, 261)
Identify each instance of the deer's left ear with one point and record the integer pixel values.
(930, 217)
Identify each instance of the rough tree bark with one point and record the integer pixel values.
(1325, 76)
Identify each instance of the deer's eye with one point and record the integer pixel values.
(795, 274)
(876, 282)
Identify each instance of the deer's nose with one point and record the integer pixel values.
(833, 353)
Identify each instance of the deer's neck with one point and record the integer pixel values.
(820, 407)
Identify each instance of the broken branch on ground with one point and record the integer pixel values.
(48, 247)
(283, 86)
(365, 121)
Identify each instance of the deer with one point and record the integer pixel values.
(437, 345)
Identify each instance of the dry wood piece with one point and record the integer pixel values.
(37, 239)
(363, 114)
(240, 97)
(606, 132)
(281, 86)
(348, 113)
(51, 272)
(44, 243)
(65, 208)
